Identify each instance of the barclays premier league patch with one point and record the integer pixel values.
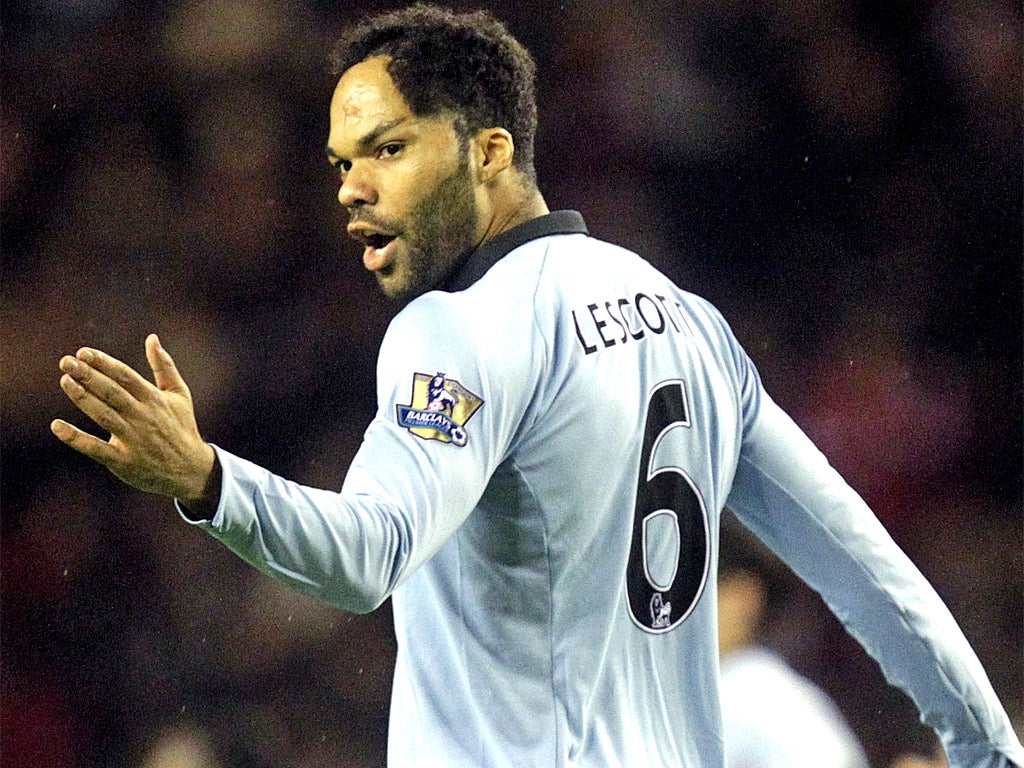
(439, 409)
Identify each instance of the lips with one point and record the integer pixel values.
(376, 245)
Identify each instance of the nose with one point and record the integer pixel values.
(357, 187)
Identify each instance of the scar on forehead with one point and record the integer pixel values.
(359, 101)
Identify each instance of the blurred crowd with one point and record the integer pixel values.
(843, 179)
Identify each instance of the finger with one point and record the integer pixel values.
(92, 406)
(165, 371)
(84, 443)
(126, 377)
(97, 383)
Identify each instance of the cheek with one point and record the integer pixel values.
(409, 189)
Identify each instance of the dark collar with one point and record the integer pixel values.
(487, 255)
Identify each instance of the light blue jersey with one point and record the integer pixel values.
(540, 490)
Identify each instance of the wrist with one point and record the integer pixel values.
(203, 500)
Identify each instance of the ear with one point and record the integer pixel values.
(495, 149)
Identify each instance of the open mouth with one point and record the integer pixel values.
(378, 241)
(376, 254)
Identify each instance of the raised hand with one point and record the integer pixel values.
(154, 442)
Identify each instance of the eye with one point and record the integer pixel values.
(389, 150)
(342, 166)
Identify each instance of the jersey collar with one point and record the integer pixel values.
(488, 254)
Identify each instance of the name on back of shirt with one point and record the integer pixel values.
(605, 324)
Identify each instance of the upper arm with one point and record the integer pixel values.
(448, 408)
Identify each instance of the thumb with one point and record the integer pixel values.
(165, 372)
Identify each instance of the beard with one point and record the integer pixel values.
(439, 236)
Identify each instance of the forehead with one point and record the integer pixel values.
(364, 98)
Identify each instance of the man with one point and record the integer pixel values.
(772, 717)
(548, 528)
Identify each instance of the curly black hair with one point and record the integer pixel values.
(465, 63)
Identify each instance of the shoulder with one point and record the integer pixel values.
(490, 325)
(503, 296)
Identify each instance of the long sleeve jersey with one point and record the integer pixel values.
(557, 431)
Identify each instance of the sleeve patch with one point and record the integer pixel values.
(439, 409)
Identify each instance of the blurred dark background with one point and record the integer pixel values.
(843, 179)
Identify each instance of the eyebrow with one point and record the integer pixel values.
(370, 138)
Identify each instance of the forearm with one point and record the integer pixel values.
(348, 552)
(826, 533)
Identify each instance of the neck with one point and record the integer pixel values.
(521, 209)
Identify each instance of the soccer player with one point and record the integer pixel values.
(558, 429)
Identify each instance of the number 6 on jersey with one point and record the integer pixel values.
(658, 605)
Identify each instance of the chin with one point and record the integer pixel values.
(394, 287)
(388, 287)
